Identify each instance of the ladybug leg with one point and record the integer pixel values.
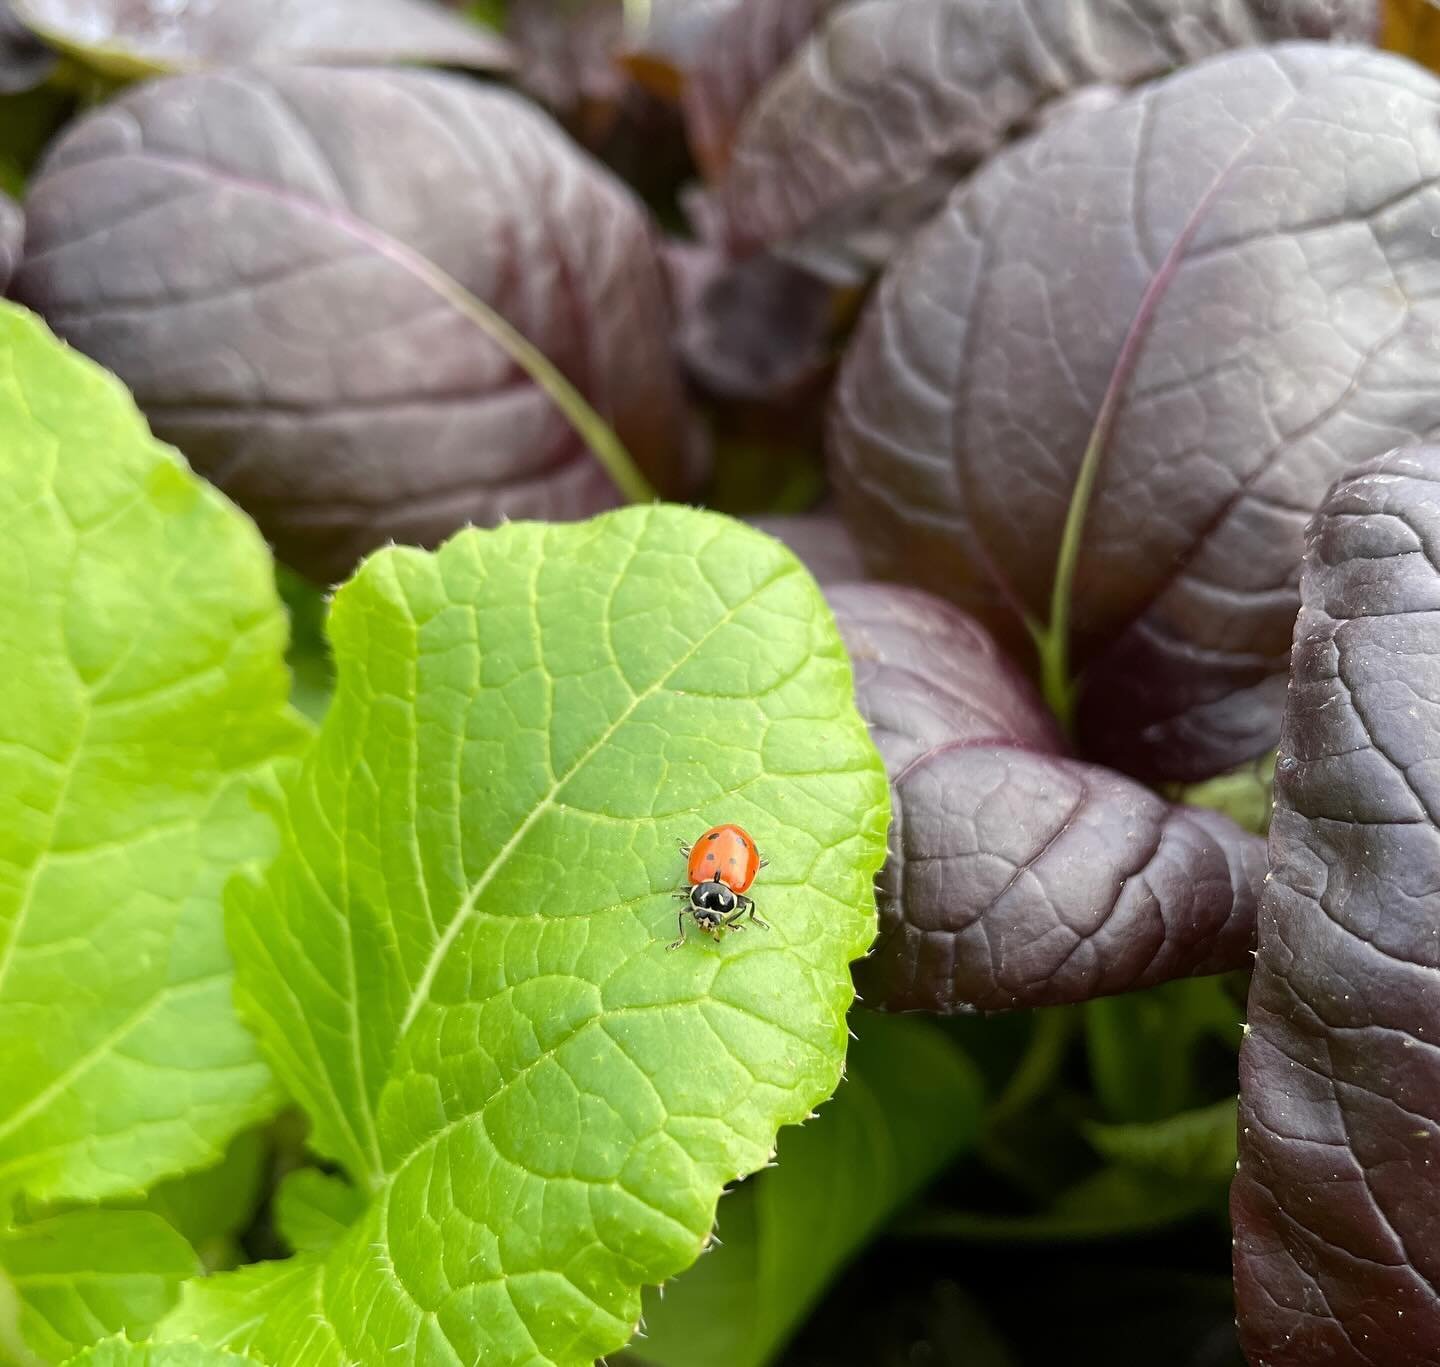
(749, 905)
(764, 863)
(680, 922)
(684, 846)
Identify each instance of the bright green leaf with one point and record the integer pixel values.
(1112, 1203)
(1142, 1045)
(209, 1207)
(458, 963)
(68, 1281)
(141, 644)
(119, 1353)
(1246, 795)
(280, 1299)
(314, 1208)
(1193, 1146)
(910, 1102)
(311, 667)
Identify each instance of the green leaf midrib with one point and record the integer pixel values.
(420, 994)
(442, 677)
(375, 1176)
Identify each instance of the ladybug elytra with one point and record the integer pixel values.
(723, 864)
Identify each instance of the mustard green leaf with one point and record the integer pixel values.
(910, 1102)
(142, 649)
(68, 1281)
(314, 1208)
(458, 965)
(118, 1352)
(211, 1206)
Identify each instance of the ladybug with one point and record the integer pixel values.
(723, 864)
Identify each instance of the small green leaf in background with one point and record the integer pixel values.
(211, 1206)
(1142, 1045)
(314, 1208)
(457, 965)
(910, 1103)
(28, 120)
(78, 1277)
(118, 1353)
(1246, 795)
(141, 645)
(1193, 1146)
(1109, 1204)
(311, 668)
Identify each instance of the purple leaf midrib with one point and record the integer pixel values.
(1128, 357)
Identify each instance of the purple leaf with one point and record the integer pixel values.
(123, 35)
(581, 56)
(284, 268)
(12, 238)
(747, 46)
(755, 329)
(567, 53)
(25, 62)
(864, 133)
(1019, 877)
(819, 541)
(1210, 300)
(1337, 1251)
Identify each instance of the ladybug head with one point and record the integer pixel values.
(711, 900)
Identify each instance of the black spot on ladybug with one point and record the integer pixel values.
(714, 835)
(710, 858)
(731, 863)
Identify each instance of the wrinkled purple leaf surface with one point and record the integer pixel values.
(170, 36)
(750, 43)
(758, 328)
(867, 129)
(567, 53)
(1337, 1224)
(282, 267)
(1017, 876)
(1225, 289)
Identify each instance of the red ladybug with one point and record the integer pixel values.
(723, 864)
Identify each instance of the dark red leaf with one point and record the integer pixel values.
(1017, 876)
(746, 47)
(282, 266)
(1198, 297)
(1337, 1225)
(125, 34)
(865, 132)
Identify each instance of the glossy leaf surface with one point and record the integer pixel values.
(1018, 876)
(1337, 1254)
